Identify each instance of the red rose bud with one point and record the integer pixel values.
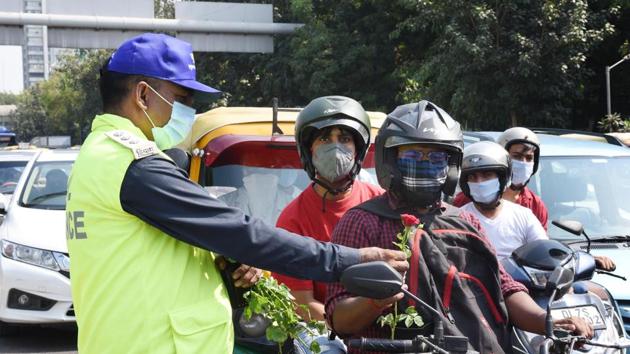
(409, 220)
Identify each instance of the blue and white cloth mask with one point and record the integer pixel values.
(521, 172)
(485, 192)
(177, 128)
(422, 175)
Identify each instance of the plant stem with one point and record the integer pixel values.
(395, 320)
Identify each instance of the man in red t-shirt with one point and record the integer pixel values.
(524, 148)
(332, 134)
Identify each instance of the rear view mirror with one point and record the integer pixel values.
(560, 280)
(376, 280)
(572, 226)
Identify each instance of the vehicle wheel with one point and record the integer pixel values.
(7, 329)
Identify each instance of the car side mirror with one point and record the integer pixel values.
(376, 280)
(572, 226)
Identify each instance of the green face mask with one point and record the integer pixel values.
(177, 128)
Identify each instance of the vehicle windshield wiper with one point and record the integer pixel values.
(601, 239)
(611, 239)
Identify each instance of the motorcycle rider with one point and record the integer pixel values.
(486, 175)
(523, 147)
(486, 171)
(418, 157)
(332, 134)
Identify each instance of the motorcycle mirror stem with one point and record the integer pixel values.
(378, 280)
(560, 278)
(574, 227)
(438, 330)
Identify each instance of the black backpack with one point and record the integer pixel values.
(453, 269)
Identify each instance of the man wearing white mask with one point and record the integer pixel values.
(523, 147)
(486, 175)
(486, 171)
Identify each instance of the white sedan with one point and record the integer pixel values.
(34, 267)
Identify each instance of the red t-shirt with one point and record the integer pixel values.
(527, 199)
(304, 216)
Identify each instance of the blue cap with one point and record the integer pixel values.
(160, 56)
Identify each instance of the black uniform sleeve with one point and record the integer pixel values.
(159, 193)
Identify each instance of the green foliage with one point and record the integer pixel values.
(409, 318)
(494, 64)
(67, 102)
(275, 302)
(8, 98)
(490, 64)
(71, 96)
(614, 123)
(30, 117)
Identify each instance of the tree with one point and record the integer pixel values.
(30, 116)
(497, 64)
(8, 98)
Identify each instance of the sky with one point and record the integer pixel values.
(11, 79)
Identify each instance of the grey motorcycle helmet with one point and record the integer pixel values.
(327, 111)
(520, 135)
(486, 156)
(417, 123)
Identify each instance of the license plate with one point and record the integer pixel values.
(588, 313)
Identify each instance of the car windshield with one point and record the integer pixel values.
(47, 185)
(10, 172)
(592, 190)
(263, 192)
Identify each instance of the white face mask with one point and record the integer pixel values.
(177, 128)
(521, 172)
(484, 192)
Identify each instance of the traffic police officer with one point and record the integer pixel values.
(140, 232)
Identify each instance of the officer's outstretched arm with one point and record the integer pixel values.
(159, 193)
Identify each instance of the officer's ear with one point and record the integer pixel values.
(140, 94)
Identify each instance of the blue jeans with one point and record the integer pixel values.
(327, 346)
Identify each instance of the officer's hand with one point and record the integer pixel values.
(396, 259)
(246, 276)
(575, 325)
(605, 263)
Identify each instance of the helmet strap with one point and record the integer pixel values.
(349, 181)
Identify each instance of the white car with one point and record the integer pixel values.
(34, 266)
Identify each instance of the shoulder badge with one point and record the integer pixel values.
(141, 148)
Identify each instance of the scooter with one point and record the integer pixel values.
(534, 265)
(378, 280)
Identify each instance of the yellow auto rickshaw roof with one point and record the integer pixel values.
(249, 121)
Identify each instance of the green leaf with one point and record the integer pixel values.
(276, 334)
(409, 321)
(410, 310)
(418, 321)
(315, 347)
(248, 313)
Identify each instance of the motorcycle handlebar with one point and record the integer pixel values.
(388, 345)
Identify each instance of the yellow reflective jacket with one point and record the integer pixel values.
(135, 288)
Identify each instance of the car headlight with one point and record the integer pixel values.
(42, 258)
(538, 277)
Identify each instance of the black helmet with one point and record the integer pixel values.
(417, 123)
(327, 111)
(486, 156)
(520, 135)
